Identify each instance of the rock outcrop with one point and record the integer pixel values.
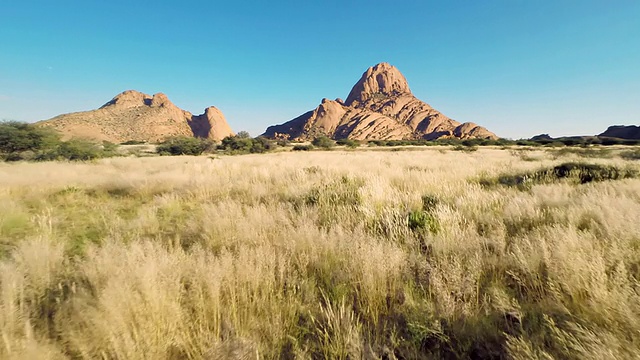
(628, 132)
(379, 106)
(133, 115)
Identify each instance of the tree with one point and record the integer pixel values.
(78, 150)
(241, 145)
(17, 137)
(183, 145)
(323, 142)
(243, 135)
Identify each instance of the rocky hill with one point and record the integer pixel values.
(133, 115)
(629, 132)
(380, 106)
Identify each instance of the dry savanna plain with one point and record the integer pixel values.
(426, 253)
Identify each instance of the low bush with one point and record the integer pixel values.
(76, 149)
(425, 218)
(631, 154)
(183, 145)
(464, 148)
(242, 144)
(28, 142)
(302, 147)
(587, 152)
(578, 173)
(350, 143)
(323, 142)
(17, 137)
(420, 220)
(133, 142)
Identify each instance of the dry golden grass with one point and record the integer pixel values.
(311, 255)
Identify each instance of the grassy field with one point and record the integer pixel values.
(341, 255)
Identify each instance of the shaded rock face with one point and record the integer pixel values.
(211, 124)
(133, 115)
(628, 132)
(379, 106)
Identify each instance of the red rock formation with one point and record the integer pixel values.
(379, 106)
(133, 115)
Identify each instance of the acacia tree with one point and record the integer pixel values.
(323, 142)
(17, 137)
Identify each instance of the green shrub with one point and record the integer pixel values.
(302, 147)
(240, 144)
(243, 135)
(420, 220)
(425, 218)
(16, 137)
(583, 152)
(183, 145)
(109, 149)
(282, 142)
(429, 203)
(133, 142)
(261, 145)
(77, 149)
(376, 143)
(348, 143)
(464, 148)
(341, 192)
(579, 173)
(631, 154)
(323, 142)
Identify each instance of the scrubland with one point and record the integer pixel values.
(339, 255)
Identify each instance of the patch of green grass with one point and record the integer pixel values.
(577, 173)
(336, 201)
(585, 152)
(631, 154)
(14, 226)
(467, 149)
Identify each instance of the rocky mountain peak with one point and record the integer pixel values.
(379, 106)
(383, 79)
(160, 99)
(132, 115)
(133, 98)
(129, 98)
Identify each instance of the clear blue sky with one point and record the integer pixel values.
(518, 67)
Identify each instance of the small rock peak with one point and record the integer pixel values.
(129, 98)
(212, 112)
(160, 100)
(131, 94)
(381, 79)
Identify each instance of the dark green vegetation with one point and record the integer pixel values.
(631, 154)
(184, 145)
(27, 142)
(348, 143)
(302, 147)
(323, 142)
(575, 173)
(244, 144)
(21, 141)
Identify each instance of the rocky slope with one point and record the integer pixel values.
(380, 106)
(629, 132)
(133, 115)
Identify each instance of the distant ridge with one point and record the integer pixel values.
(628, 132)
(379, 106)
(132, 115)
